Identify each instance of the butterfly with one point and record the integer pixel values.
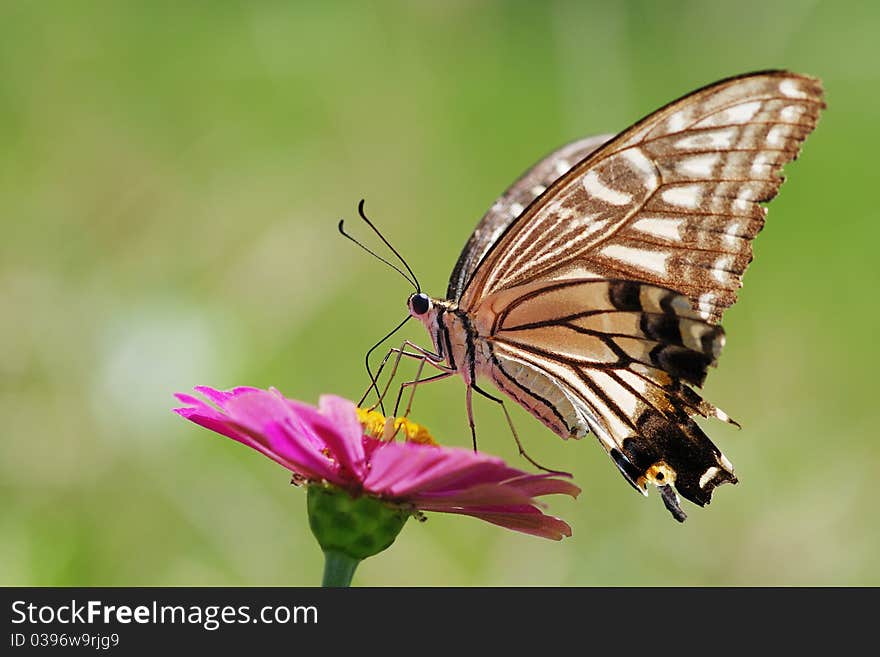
(591, 292)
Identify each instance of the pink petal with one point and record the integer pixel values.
(263, 422)
(343, 418)
(393, 465)
(220, 397)
(215, 422)
(536, 524)
(549, 484)
(408, 469)
(468, 469)
(341, 436)
(482, 494)
(189, 400)
(285, 448)
(285, 436)
(255, 410)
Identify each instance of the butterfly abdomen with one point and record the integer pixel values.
(541, 394)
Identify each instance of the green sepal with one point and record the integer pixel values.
(357, 527)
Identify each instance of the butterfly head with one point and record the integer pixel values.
(419, 304)
(431, 313)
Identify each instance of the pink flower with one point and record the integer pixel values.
(329, 445)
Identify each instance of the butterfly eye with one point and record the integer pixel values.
(419, 303)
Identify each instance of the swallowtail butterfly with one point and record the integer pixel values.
(591, 292)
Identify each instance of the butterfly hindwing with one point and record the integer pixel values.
(611, 356)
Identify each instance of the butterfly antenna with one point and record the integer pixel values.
(409, 280)
(388, 244)
(373, 379)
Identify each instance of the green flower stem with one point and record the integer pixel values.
(338, 568)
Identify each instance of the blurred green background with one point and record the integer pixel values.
(171, 175)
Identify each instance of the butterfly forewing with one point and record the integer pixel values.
(511, 204)
(673, 201)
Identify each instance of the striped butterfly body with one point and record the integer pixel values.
(590, 293)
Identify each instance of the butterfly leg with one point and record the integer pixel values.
(444, 373)
(412, 394)
(417, 353)
(414, 384)
(423, 356)
(470, 414)
(374, 380)
(519, 444)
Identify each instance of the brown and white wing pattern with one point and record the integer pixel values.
(673, 201)
(511, 204)
(614, 357)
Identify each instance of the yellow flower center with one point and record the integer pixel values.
(386, 428)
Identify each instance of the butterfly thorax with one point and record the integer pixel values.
(456, 338)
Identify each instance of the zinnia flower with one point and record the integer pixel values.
(348, 461)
